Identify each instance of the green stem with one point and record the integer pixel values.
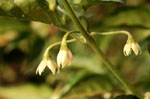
(114, 32)
(64, 40)
(78, 39)
(55, 44)
(91, 42)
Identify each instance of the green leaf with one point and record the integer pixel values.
(124, 17)
(90, 82)
(35, 48)
(34, 10)
(88, 3)
(148, 44)
(126, 97)
(9, 25)
(26, 91)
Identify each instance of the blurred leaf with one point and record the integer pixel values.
(35, 48)
(15, 43)
(90, 63)
(88, 3)
(76, 78)
(35, 10)
(26, 91)
(148, 44)
(91, 83)
(9, 24)
(126, 97)
(92, 2)
(126, 17)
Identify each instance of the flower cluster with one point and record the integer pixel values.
(64, 58)
(130, 45)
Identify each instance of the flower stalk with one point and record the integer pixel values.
(91, 42)
(114, 32)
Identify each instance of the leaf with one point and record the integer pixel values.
(26, 91)
(124, 17)
(88, 63)
(148, 44)
(128, 17)
(88, 3)
(35, 48)
(34, 10)
(126, 97)
(9, 24)
(89, 81)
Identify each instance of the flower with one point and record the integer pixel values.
(49, 63)
(131, 45)
(147, 95)
(64, 57)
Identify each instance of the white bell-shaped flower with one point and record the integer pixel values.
(64, 57)
(49, 63)
(131, 45)
(147, 95)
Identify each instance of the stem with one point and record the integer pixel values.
(114, 32)
(78, 39)
(64, 40)
(91, 42)
(55, 44)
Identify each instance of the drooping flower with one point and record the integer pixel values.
(147, 95)
(64, 57)
(127, 49)
(131, 45)
(49, 63)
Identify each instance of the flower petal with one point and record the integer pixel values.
(136, 48)
(52, 66)
(41, 67)
(127, 49)
(70, 57)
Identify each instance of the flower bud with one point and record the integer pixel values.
(64, 57)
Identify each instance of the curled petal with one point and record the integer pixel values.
(60, 57)
(52, 66)
(136, 48)
(70, 57)
(127, 49)
(41, 67)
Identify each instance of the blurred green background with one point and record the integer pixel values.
(23, 42)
